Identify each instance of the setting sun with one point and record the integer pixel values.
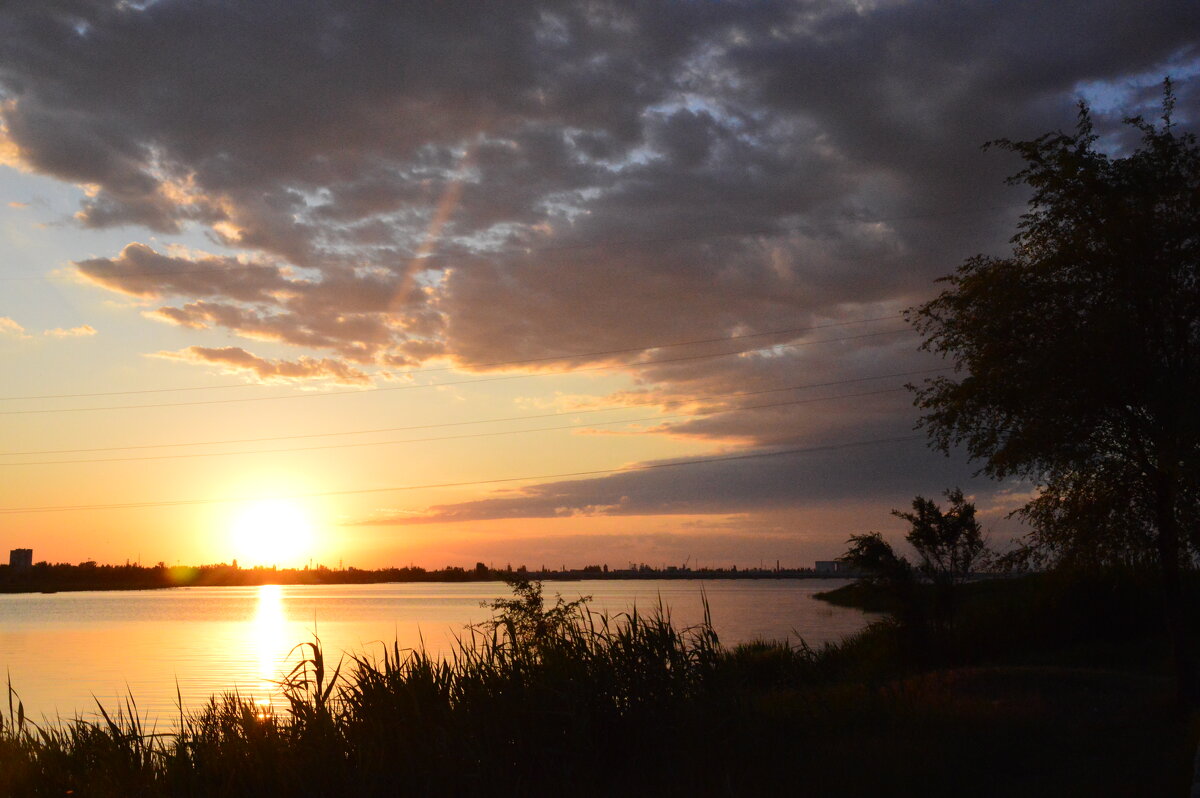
(272, 532)
(591, 397)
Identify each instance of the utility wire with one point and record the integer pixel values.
(497, 481)
(494, 433)
(637, 364)
(495, 364)
(530, 417)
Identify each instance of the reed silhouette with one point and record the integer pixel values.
(549, 696)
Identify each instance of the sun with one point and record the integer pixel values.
(272, 532)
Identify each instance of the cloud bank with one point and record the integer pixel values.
(526, 181)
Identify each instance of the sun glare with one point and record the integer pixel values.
(272, 532)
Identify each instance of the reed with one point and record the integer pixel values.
(538, 693)
(553, 698)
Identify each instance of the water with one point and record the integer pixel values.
(64, 648)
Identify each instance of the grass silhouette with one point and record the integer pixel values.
(561, 699)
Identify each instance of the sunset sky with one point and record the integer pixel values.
(552, 284)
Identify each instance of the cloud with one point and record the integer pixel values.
(892, 472)
(12, 329)
(741, 164)
(72, 332)
(18, 205)
(140, 271)
(262, 301)
(390, 184)
(235, 360)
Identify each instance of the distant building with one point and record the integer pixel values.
(20, 559)
(829, 567)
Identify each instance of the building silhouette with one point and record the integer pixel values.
(20, 559)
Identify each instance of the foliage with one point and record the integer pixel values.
(950, 547)
(876, 560)
(632, 705)
(525, 618)
(950, 544)
(1078, 356)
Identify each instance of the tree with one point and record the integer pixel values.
(529, 626)
(1077, 357)
(877, 561)
(949, 546)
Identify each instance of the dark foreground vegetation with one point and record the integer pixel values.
(1042, 686)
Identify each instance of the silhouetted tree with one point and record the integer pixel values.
(525, 619)
(877, 561)
(1077, 357)
(949, 546)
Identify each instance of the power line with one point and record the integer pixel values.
(638, 364)
(505, 253)
(495, 364)
(494, 433)
(497, 481)
(528, 417)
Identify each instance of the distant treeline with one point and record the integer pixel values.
(50, 577)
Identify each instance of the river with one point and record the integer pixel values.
(65, 651)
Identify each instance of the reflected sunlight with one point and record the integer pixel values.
(272, 532)
(269, 641)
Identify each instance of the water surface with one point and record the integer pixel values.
(64, 648)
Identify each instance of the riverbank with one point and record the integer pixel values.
(553, 699)
(63, 577)
(62, 649)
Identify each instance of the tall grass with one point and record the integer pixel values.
(562, 700)
(535, 697)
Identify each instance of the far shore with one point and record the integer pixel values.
(55, 578)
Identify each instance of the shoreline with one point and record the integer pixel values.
(10, 590)
(44, 578)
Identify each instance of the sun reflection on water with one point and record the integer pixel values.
(269, 641)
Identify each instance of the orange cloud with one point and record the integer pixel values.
(234, 359)
(73, 332)
(11, 328)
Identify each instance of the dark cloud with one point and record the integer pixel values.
(140, 271)
(892, 472)
(340, 312)
(514, 180)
